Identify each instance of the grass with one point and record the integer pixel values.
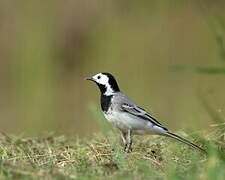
(101, 157)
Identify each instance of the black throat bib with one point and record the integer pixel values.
(105, 102)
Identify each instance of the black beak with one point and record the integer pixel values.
(89, 78)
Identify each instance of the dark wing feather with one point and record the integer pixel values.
(141, 113)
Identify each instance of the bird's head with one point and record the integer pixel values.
(106, 83)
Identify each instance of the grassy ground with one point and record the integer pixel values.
(101, 156)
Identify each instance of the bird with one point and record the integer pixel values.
(127, 116)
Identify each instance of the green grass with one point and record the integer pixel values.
(101, 156)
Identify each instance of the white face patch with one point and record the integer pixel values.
(104, 80)
(101, 79)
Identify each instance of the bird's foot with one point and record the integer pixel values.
(127, 149)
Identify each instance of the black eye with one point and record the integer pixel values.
(99, 77)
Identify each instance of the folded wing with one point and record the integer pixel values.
(141, 113)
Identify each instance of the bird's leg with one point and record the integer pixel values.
(124, 138)
(128, 141)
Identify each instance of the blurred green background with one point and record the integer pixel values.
(48, 47)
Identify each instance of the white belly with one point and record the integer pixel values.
(124, 121)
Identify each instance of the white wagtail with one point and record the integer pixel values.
(126, 115)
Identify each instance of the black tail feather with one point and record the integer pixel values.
(185, 141)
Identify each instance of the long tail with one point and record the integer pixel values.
(169, 134)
